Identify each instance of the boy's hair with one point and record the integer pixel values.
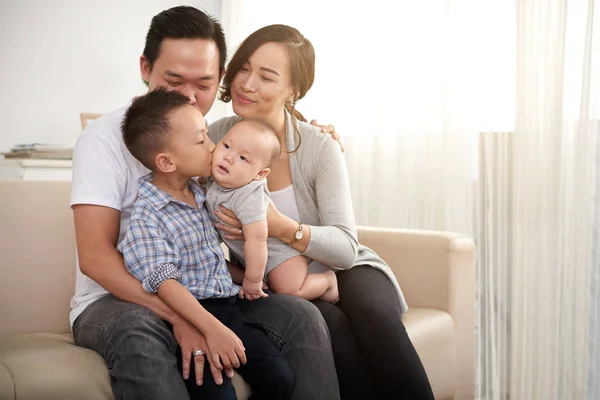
(146, 127)
(184, 22)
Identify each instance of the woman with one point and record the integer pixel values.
(273, 69)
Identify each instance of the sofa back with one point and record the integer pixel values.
(37, 257)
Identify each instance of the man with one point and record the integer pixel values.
(141, 338)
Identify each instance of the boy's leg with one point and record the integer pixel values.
(267, 371)
(138, 348)
(297, 328)
(291, 277)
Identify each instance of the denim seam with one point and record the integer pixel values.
(275, 335)
(109, 342)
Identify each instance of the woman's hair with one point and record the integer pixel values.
(302, 62)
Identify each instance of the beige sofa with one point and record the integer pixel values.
(38, 359)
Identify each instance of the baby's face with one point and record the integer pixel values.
(240, 156)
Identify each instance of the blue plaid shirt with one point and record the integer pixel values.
(168, 239)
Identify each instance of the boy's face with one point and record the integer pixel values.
(189, 66)
(241, 156)
(190, 149)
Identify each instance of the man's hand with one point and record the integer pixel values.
(252, 290)
(190, 340)
(330, 129)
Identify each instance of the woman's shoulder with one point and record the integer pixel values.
(218, 129)
(314, 141)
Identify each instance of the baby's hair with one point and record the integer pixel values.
(147, 127)
(273, 142)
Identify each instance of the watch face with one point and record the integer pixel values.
(299, 235)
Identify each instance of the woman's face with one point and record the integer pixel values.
(263, 84)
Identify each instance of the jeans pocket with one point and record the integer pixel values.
(269, 341)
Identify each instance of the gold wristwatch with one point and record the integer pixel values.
(299, 234)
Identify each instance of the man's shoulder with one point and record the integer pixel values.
(107, 127)
(314, 142)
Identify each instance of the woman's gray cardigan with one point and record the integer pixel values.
(322, 190)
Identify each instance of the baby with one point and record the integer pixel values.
(240, 165)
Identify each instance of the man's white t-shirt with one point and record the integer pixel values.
(104, 174)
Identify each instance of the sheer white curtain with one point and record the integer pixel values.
(409, 86)
(477, 116)
(554, 164)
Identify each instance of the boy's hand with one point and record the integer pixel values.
(225, 349)
(252, 290)
(190, 340)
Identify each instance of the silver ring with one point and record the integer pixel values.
(198, 353)
(240, 231)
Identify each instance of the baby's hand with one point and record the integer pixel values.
(252, 290)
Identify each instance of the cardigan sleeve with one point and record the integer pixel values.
(335, 241)
(218, 129)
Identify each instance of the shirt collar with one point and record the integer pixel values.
(158, 198)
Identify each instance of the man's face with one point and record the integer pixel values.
(190, 66)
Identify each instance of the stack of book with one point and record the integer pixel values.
(40, 151)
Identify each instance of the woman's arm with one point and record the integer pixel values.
(335, 242)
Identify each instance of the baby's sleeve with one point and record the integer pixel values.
(250, 203)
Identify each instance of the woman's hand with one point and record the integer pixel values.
(231, 226)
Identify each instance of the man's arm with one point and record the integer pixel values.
(97, 232)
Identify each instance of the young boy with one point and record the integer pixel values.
(172, 246)
(240, 165)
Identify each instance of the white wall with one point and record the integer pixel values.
(62, 57)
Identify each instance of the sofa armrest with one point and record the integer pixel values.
(435, 270)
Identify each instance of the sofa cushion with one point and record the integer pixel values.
(432, 333)
(7, 389)
(50, 366)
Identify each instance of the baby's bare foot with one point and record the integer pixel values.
(332, 295)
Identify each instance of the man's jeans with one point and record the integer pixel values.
(141, 352)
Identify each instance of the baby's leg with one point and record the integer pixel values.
(291, 277)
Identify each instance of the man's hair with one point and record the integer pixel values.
(184, 22)
(147, 126)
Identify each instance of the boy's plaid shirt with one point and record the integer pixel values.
(169, 239)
